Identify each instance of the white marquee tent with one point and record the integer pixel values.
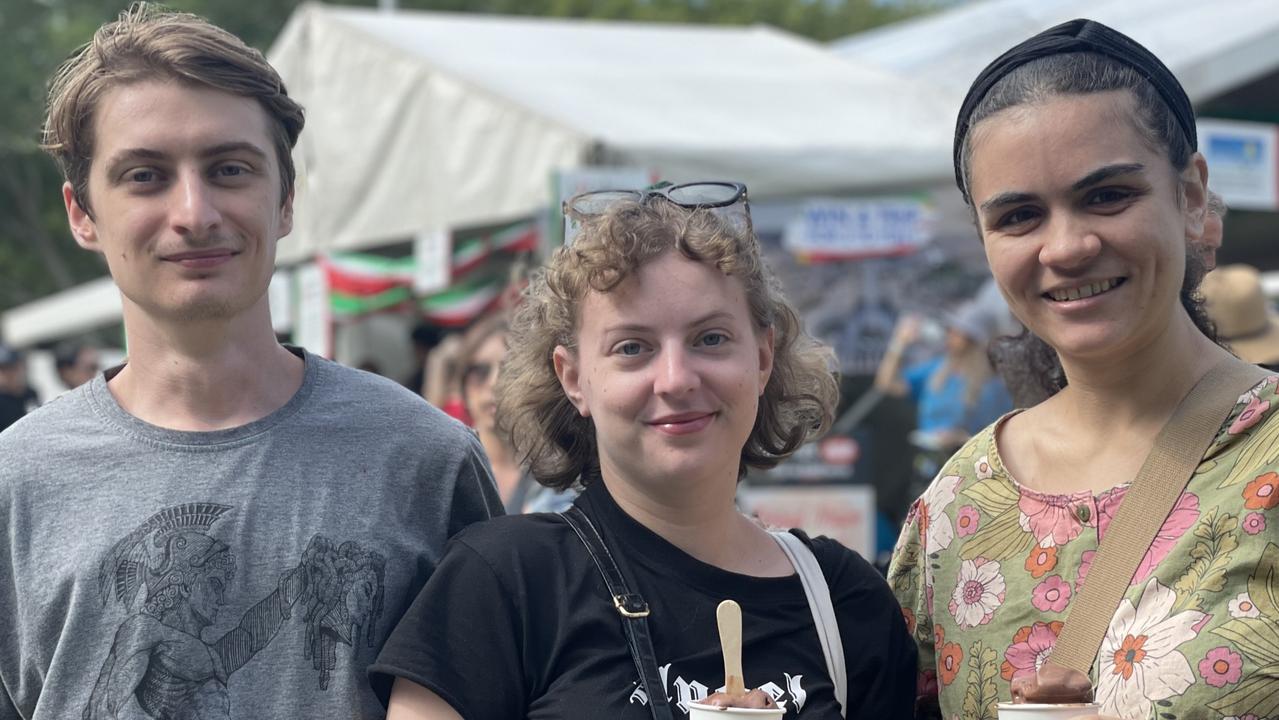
(1211, 47)
(424, 121)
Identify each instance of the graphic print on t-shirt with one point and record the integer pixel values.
(182, 571)
(681, 692)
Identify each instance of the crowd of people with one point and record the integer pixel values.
(221, 501)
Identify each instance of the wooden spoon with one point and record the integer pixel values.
(729, 615)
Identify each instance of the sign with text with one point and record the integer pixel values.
(843, 512)
(828, 230)
(1242, 162)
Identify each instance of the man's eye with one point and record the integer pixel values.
(630, 349)
(141, 176)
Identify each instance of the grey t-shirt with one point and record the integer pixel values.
(245, 573)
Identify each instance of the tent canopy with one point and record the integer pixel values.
(1211, 47)
(419, 121)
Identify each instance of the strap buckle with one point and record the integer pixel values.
(631, 606)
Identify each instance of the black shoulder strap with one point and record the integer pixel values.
(632, 608)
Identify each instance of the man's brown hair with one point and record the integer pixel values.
(149, 42)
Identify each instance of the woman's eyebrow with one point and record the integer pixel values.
(1103, 174)
(1007, 198)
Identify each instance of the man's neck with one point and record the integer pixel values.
(204, 375)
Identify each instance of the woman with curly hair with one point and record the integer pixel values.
(652, 362)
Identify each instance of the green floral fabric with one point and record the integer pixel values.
(985, 570)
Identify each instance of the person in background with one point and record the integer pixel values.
(424, 338)
(956, 393)
(222, 526)
(1244, 318)
(76, 364)
(1076, 151)
(16, 396)
(483, 348)
(652, 362)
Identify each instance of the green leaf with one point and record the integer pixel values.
(999, 539)
(1258, 638)
(1254, 696)
(993, 496)
(1260, 449)
(982, 696)
(1263, 584)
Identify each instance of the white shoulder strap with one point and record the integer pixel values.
(818, 593)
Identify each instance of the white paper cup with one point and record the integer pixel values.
(698, 711)
(1044, 711)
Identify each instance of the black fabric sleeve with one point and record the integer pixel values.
(475, 495)
(879, 654)
(461, 639)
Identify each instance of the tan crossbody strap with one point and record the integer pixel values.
(1178, 450)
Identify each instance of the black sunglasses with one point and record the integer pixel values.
(727, 199)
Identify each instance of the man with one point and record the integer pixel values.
(222, 527)
(16, 396)
(76, 363)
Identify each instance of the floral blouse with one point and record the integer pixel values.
(985, 570)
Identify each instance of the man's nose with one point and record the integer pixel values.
(193, 211)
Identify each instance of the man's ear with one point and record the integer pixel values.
(1194, 186)
(569, 374)
(83, 227)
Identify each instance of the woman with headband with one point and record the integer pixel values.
(653, 361)
(1076, 151)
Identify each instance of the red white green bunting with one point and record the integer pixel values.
(361, 283)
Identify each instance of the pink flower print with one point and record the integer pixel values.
(967, 520)
(1242, 607)
(1254, 523)
(979, 591)
(1251, 415)
(1184, 515)
(1031, 646)
(983, 469)
(1051, 595)
(1085, 562)
(1221, 667)
(1052, 519)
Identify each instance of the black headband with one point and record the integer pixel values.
(1077, 36)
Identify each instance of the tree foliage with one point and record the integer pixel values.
(37, 255)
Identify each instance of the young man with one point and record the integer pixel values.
(222, 527)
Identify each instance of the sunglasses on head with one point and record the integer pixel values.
(726, 199)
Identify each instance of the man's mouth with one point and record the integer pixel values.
(1087, 290)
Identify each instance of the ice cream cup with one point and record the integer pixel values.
(698, 711)
(1045, 711)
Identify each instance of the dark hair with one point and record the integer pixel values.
(1082, 73)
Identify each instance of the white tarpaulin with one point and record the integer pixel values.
(420, 121)
(1211, 47)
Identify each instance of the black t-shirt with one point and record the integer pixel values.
(516, 622)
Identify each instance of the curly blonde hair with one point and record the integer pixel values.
(551, 438)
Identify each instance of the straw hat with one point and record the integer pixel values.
(1241, 312)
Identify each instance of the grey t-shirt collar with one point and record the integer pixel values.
(104, 404)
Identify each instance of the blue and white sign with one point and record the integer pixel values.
(859, 229)
(1242, 162)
